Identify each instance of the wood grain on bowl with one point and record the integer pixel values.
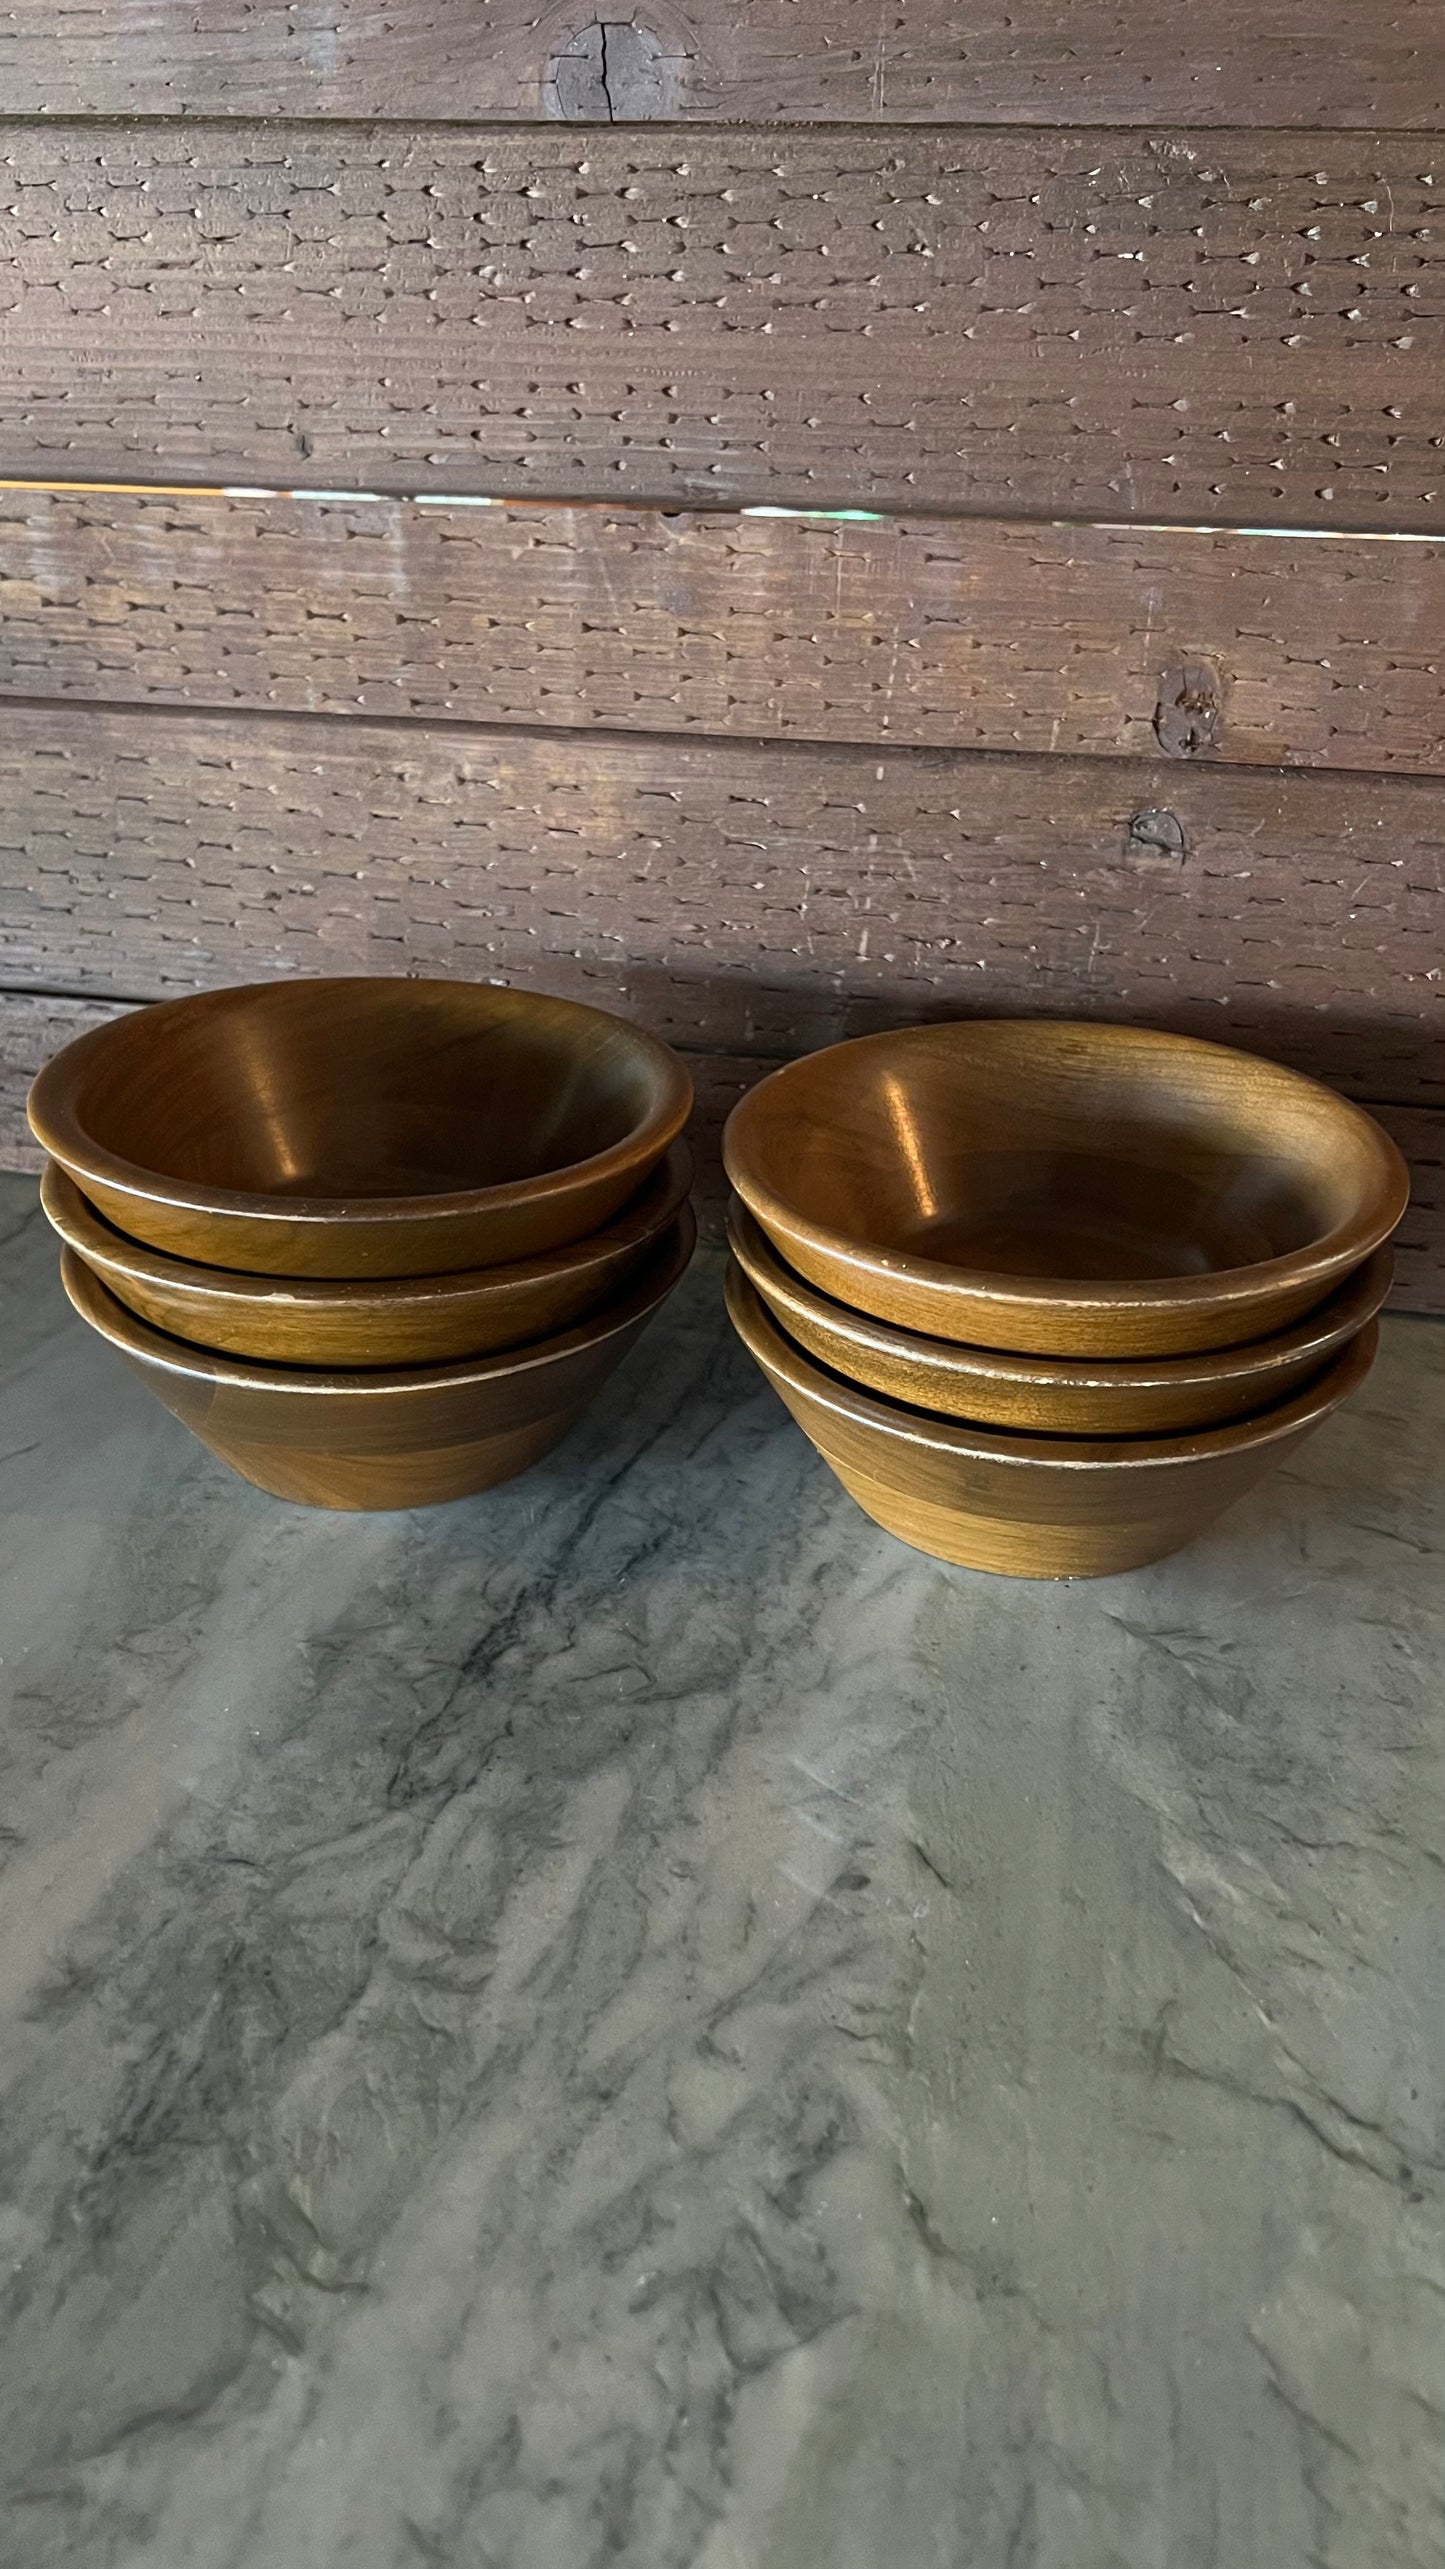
(1059, 1188)
(392, 1320)
(361, 1127)
(1056, 1396)
(1033, 1507)
(409, 1438)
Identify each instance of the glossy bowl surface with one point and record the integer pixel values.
(360, 1127)
(402, 1439)
(393, 1321)
(1033, 1507)
(1064, 1189)
(1057, 1396)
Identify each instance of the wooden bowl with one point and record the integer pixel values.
(1034, 1507)
(361, 1127)
(398, 1320)
(387, 1440)
(1060, 1189)
(1043, 1396)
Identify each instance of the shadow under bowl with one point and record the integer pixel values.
(404, 1439)
(392, 1321)
(1032, 1507)
(1057, 1396)
(362, 1126)
(1064, 1189)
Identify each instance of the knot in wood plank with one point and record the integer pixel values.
(1156, 833)
(1189, 718)
(613, 72)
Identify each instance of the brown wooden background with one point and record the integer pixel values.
(396, 403)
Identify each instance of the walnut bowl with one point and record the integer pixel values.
(360, 1127)
(1057, 1396)
(399, 1439)
(1064, 1189)
(1033, 1507)
(388, 1320)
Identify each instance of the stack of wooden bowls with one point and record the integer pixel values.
(378, 1242)
(1046, 1296)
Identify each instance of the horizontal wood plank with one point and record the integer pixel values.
(1239, 327)
(944, 633)
(741, 898)
(31, 1030)
(1240, 62)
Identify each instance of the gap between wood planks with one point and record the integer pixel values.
(670, 506)
(688, 130)
(799, 745)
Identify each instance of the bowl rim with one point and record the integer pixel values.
(1331, 1255)
(55, 1123)
(106, 1250)
(780, 1359)
(1341, 1316)
(155, 1349)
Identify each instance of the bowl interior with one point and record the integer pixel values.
(1091, 1154)
(346, 1089)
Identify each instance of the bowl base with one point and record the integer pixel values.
(377, 1483)
(1013, 1550)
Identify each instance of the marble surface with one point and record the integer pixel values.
(636, 2020)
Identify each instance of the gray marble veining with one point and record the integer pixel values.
(636, 2020)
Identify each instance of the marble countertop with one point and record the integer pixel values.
(633, 2019)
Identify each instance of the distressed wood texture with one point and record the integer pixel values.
(740, 898)
(1240, 62)
(952, 634)
(32, 1029)
(1240, 327)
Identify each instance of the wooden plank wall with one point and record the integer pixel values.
(1103, 62)
(1240, 326)
(920, 632)
(458, 365)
